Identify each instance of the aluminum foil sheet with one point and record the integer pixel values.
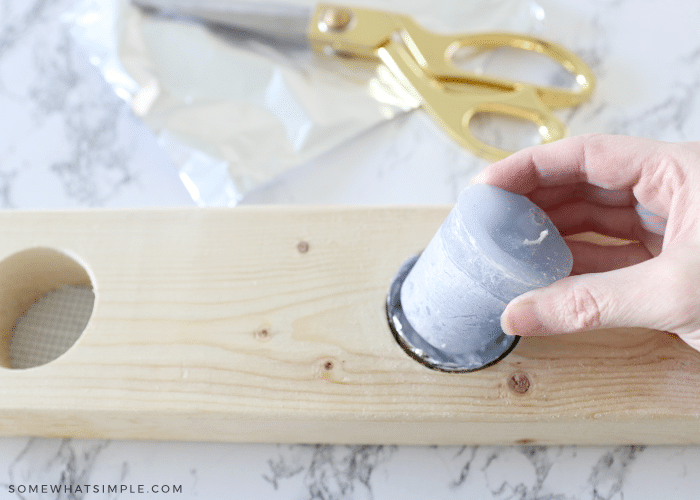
(233, 113)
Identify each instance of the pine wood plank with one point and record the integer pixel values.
(213, 325)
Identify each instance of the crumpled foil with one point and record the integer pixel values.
(233, 113)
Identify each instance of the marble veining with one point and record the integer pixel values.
(329, 472)
(66, 141)
(314, 472)
(71, 142)
(97, 162)
(59, 464)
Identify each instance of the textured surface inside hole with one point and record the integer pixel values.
(51, 326)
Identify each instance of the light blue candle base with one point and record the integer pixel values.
(415, 346)
(493, 246)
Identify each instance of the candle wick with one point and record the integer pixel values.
(539, 240)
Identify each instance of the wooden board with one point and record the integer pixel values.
(218, 325)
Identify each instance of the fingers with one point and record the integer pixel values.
(550, 196)
(592, 258)
(610, 162)
(659, 293)
(579, 217)
(618, 222)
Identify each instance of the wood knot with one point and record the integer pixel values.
(303, 246)
(519, 383)
(326, 369)
(263, 334)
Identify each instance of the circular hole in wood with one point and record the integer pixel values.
(46, 299)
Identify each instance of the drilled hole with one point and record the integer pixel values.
(47, 298)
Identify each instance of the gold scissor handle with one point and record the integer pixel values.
(422, 62)
(453, 107)
(434, 54)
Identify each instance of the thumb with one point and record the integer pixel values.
(659, 293)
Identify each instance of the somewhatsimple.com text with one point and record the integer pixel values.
(73, 489)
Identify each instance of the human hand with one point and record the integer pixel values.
(622, 187)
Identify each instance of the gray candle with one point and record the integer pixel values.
(493, 246)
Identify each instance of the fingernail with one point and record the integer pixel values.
(522, 319)
(477, 179)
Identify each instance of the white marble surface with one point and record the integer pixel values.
(67, 141)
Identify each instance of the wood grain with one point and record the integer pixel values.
(215, 325)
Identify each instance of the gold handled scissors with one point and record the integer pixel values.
(422, 61)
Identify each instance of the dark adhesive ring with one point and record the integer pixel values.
(417, 348)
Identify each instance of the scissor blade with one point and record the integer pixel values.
(285, 24)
